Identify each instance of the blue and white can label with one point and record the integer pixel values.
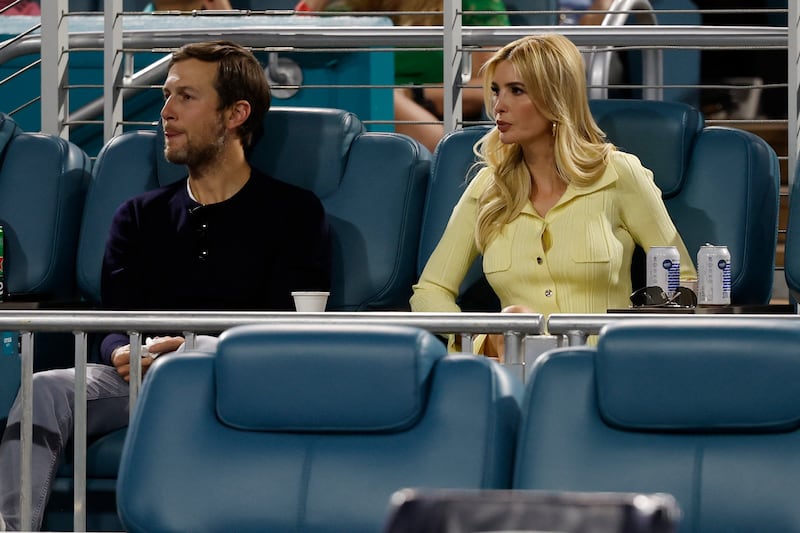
(713, 275)
(664, 268)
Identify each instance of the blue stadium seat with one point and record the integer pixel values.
(706, 411)
(371, 184)
(373, 188)
(791, 255)
(43, 180)
(720, 184)
(311, 428)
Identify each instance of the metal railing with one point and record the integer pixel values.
(277, 37)
(576, 328)
(515, 327)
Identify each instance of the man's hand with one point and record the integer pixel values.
(121, 357)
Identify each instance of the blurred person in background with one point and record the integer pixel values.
(571, 8)
(418, 108)
(20, 7)
(187, 5)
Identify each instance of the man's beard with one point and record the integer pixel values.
(199, 156)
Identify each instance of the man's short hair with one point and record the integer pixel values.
(239, 77)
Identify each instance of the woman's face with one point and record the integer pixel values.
(517, 118)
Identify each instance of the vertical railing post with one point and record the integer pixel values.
(79, 434)
(26, 428)
(135, 377)
(55, 57)
(452, 66)
(112, 69)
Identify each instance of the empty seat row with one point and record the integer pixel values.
(314, 427)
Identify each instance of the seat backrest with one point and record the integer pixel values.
(43, 180)
(692, 165)
(371, 184)
(706, 411)
(791, 254)
(451, 170)
(311, 428)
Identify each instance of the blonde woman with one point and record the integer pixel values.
(555, 210)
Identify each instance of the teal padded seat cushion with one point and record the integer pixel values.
(8, 129)
(744, 380)
(43, 180)
(257, 389)
(312, 153)
(184, 468)
(127, 165)
(661, 134)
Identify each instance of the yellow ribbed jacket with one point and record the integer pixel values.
(575, 259)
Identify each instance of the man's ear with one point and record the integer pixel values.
(238, 114)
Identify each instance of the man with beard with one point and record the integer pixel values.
(227, 237)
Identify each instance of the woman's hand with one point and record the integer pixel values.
(495, 343)
(121, 357)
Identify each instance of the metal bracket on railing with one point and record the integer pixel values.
(576, 337)
(598, 59)
(285, 76)
(532, 347)
(466, 343)
(512, 354)
(466, 66)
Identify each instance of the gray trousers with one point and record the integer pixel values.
(53, 418)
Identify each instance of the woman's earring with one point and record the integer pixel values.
(554, 129)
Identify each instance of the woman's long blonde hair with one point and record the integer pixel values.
(552, 69)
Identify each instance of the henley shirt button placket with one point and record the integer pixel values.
(548, 293)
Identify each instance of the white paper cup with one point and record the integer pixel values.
(310, 301)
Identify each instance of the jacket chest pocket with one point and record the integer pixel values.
(497, 255)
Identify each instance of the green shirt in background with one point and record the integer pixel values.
(425, 66)
(419, 67)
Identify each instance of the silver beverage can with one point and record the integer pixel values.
(713, 275)
(664, 268)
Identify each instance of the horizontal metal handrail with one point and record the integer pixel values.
(208, 321)
(668, 36)
(576, 328)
